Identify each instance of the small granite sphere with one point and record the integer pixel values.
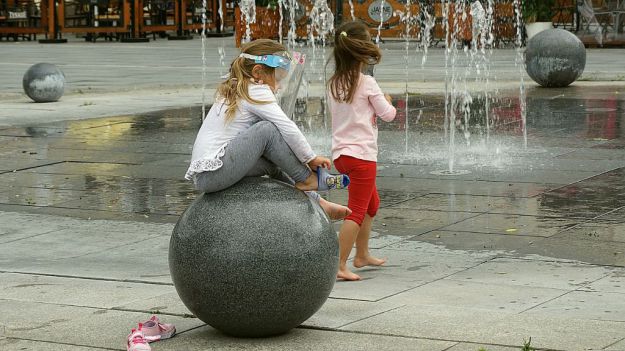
(555, 58)
(44, 82)
(256, 259)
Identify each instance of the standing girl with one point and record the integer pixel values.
(246, 133)
(355, 103)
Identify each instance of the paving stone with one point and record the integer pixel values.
(465, 324)
(336, 313)
(483, 326)
(17, 226)
(512, 224)
(595, 231)
(617, 215)
(206, 338)
(409, 264)
(69, 324)
(62, 290)
(563, 275)
(67, 243)
(19, 345)
(168, 303)
(617, 346)
(125, 262)
(589, 305)
(613, 282)
(481, 347)
(609, 253)
(408, 222)
(494, 297)
(460, 203)
(464, 187)
(555, 332)
(476, 241)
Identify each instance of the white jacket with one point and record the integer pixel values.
(215, 134)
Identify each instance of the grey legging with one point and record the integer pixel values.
(260, 150)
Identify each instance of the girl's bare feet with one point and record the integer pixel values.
(346, 274)
(334, 210)
(368, 261)
(311, 183)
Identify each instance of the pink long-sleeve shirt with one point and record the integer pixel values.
(354, 125)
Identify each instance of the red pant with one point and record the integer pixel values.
(363, 195)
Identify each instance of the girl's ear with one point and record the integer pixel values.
(257, 71)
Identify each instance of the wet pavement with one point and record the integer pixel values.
(528, 241)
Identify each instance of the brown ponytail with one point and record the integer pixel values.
(352, 49)
(237, 84)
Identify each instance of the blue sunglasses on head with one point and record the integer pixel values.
(274, 61)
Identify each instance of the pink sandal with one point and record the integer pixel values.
(154, 330)
(136, 341)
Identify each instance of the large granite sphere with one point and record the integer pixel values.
(256, 259)
(44, 82)
(555, 58)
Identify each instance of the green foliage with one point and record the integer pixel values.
(537, 10)
(526, 345)
(271, 4)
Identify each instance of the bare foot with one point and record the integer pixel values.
(368, 261)
(334, 210)
(346, 274)
(310, 183)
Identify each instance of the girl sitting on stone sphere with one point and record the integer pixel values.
(246, 133)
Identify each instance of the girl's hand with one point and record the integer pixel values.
(319, 161)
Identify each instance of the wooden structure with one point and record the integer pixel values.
(136, 19)
(266, 25)
(94, 17)
(371, 12)
(25, 18)
(111, 18)
(393, 16)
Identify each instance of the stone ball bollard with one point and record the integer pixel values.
(254, 260)
(44, 82)
(555, 58)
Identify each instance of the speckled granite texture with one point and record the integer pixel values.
(44, 82)
(254, 260)
(555, 58)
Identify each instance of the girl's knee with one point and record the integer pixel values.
(203, 184)
(374, 206)
(266, 127)
(372, 213)
(356, 216)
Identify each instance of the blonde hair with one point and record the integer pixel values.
(352, 48)
(236, 87)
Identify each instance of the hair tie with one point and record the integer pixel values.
(344, 34)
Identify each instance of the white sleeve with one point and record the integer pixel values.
(273, 113)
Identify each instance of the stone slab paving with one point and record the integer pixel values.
(17, 345)
(486, 326)
(207, 338)
(72, 325)
(506, 223)
(430, 282)
(477, 346)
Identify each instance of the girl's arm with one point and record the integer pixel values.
(383, 108)
(273, 113)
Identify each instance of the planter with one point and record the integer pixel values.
(266, 25)
(534, 28)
